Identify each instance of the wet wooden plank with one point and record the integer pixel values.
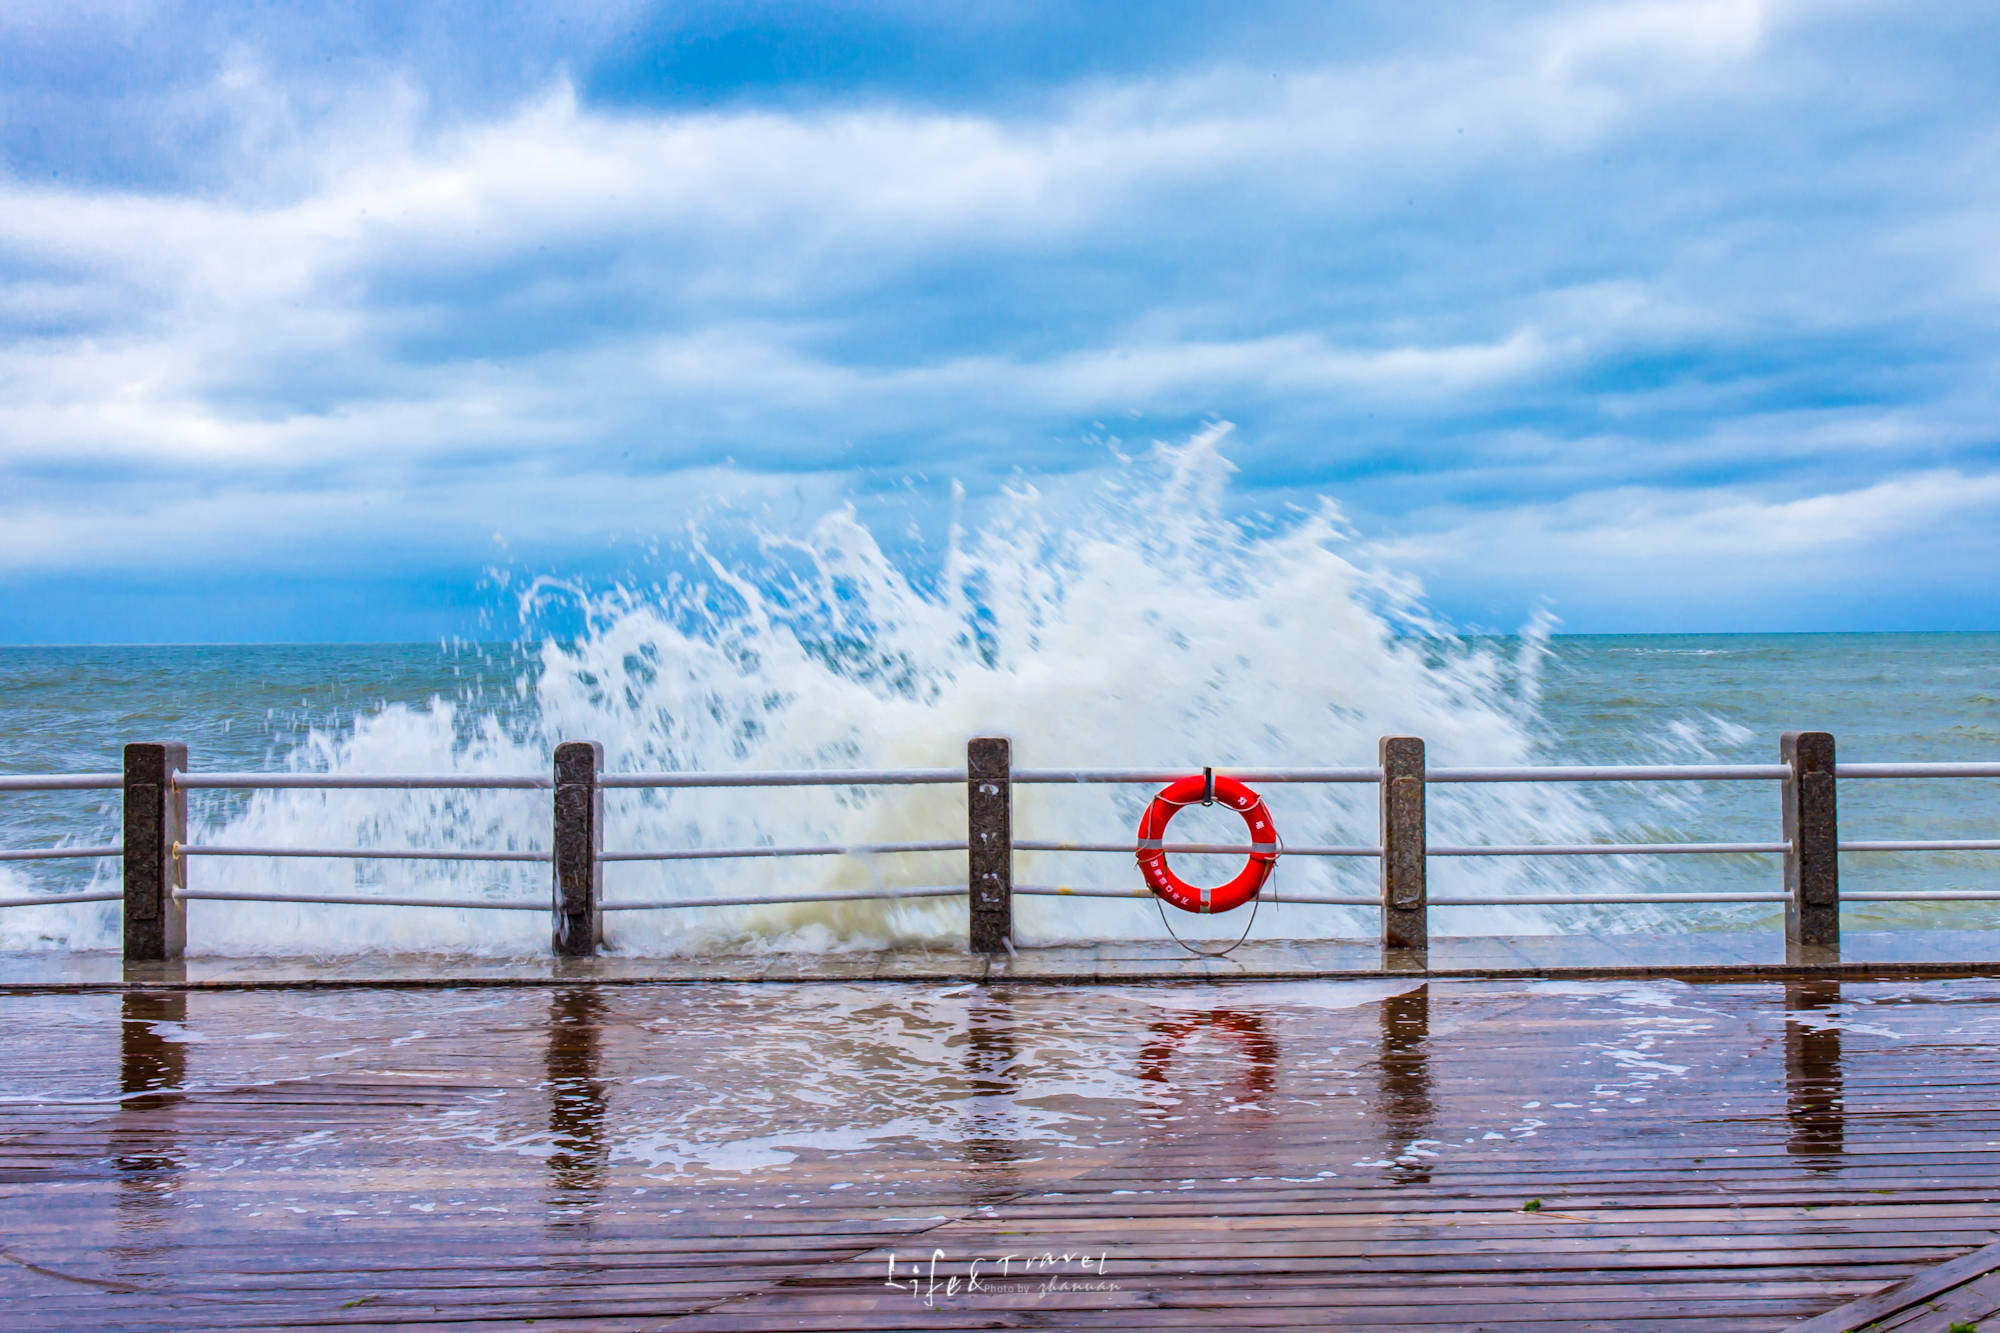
(1966, 1288)
(1726, 1157)
(1971, 1304)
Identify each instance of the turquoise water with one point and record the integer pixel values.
(1600, 699)
(1885, 698)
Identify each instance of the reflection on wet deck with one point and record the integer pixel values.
(1813, 1102)
(579, 1150)
(1407, 1114)
(833, 1156)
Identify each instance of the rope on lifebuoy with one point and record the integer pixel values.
(1206, 953)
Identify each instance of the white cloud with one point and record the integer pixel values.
(391, 523)
(749, 207)
(1724, 546)
(1650, 36)
(1515, 223)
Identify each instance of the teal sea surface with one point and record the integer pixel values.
(1602, 699)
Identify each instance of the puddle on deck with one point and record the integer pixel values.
(612, 1091)
(1752, 1147)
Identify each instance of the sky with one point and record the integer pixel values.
(1664, 317)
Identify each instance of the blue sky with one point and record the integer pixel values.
(1670, 316)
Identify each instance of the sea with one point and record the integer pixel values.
(1158, 626)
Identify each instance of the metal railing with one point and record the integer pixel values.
(50, 782)
(799, 777)
(61, 781)
(65, 853)
(156, 852)
(362, 782)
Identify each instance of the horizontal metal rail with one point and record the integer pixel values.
(1193, 848)
(1608, 849)
(1024, 845)
(798, 777)
(362, 781)
(1163, 775)
(1922, 770)
(784, 899)
(53, 900)
(830, 849)
(1594, 899)
(367, 853)
(249, 896)
(1538, 848)
(64, 853)
(862, 777)
(1926, 845)
(1525, 900)
(1925, 896)
(1614, 773)
(61, 781)
(1278, 900)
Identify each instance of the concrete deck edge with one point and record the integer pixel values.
(156, 979)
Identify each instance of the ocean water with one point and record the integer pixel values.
(1151, 627)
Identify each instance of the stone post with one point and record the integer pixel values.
(1405, 925)
(155, 823)
(1812, 852)
(989, 841)
(579, 838)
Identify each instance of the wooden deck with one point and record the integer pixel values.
(1737, 1155)
(1960, 1293)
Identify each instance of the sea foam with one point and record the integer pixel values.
(1133, 621)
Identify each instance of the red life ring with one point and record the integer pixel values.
(1176, 796)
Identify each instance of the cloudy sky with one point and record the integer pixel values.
(1677, 316)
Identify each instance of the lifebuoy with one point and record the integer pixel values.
(1180, 794)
